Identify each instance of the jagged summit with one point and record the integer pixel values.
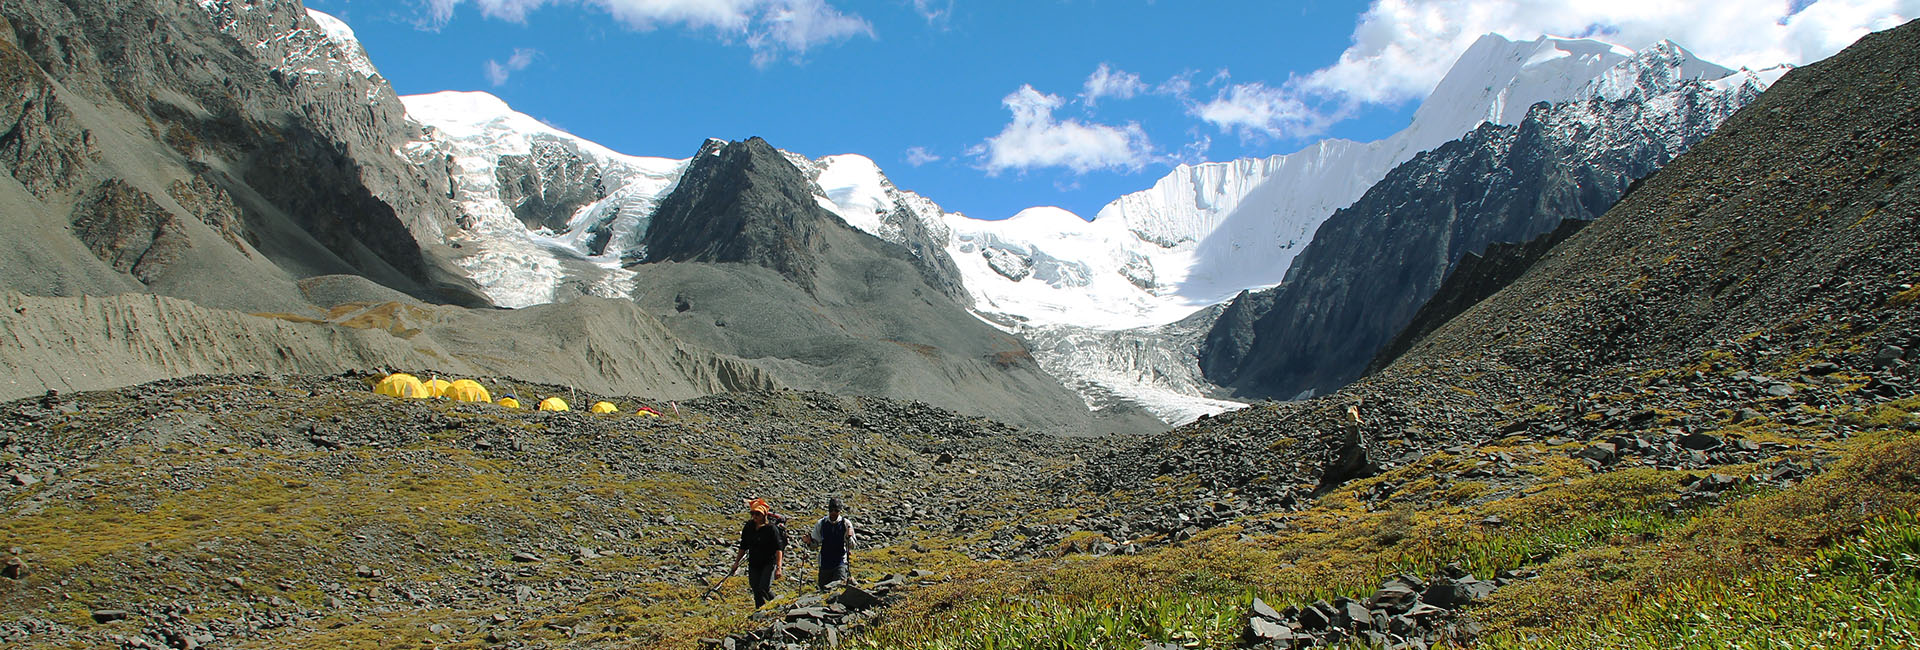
(741, 202)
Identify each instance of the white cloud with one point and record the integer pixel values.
(1108, 82)
(917, 156)
(773, 29)
(1256, 111)
(1402, 48)
(935, 11)
(1034, 139)
(1179, 86)
(498, 72)
(1194, 152)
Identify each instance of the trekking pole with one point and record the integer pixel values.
(723, 580)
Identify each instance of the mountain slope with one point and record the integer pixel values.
(93, 343)
(1372, 265)
(220, 155)
(1476, 278)
(743, 258)
(1790, 236)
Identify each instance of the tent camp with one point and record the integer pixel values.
(437, 387)
(605, 407)
(553, 404)
(468, 390)
(509, 402)
(401, 384)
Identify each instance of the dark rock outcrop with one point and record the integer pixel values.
(741, 202)
(545, 187)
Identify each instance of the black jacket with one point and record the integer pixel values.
(762, 543)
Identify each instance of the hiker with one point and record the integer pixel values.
(834, 535)
(764, 545)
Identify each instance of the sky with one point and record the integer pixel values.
(989, 107)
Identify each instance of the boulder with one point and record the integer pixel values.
(1700, 442)
(15, 568)
(855, 599)
(1260, 630)
(1599, 452)
(1316, 617)
(1262, 610)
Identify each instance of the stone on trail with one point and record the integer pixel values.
(1262, 610)
(855, 598)
(1260, 630)
(1599, 452)
(1700, 442)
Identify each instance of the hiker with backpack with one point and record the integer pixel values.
(834, 535)
(763, 543)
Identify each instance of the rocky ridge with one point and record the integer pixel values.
(1373, 264)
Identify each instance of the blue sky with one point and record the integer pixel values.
(992, 107)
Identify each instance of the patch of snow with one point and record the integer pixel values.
(856, 191)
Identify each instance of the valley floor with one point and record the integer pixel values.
(254, 512)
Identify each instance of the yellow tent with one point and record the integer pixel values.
(436, 387)
(400, 384)
(553, 404)
(646, 413)
(605, 407)
(468, 390)
(509, 402)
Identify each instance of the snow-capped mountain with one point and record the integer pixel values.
(1372, 265)
(1205, 232)
(545, 208)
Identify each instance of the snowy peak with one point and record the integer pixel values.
(1654, 70)
(341, 36)
(476, 116)
(1497, 80)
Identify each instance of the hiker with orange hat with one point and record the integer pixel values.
(763, 543)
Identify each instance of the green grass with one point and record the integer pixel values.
(1861, 593)
(1833, 562)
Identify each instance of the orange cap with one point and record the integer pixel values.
(759, 505)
